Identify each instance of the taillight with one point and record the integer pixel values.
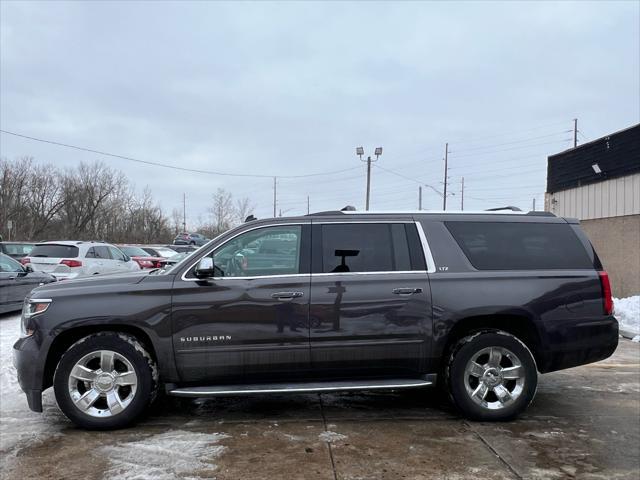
(71, 263)
(607, 299)
(145, 263)
(25, 260)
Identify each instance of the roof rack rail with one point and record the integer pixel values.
(540, 213)
(327, 212)
(508, 207)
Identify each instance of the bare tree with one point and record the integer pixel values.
(222, 211)
(243, 208)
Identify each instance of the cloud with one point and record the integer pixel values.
(292, 88)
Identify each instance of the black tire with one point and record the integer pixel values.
(133, 351)
(455, 373)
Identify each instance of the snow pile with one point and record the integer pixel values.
(170, 455)
(627, 311)
(331, 437)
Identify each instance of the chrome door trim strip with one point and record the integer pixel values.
(385, 272)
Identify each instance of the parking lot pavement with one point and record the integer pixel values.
(584, 423)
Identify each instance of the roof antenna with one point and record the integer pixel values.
(250, 218)
(348, 208)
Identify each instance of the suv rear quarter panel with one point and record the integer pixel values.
(563, 307)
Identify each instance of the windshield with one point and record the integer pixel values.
(176, 261)
(134, 251)
(8, 264)
(165, 252)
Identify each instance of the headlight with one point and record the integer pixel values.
(31, 308)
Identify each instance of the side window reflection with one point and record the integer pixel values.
(261, 252)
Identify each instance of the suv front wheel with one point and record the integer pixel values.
(105, 381)
(491, 375)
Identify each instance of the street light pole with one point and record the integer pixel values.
(446, 168)
(360, 153)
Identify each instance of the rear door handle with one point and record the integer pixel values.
(286, 296)
(406, 291)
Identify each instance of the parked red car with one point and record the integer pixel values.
(143, 258)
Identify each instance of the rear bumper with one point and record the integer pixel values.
(570, 344)
(28, 364)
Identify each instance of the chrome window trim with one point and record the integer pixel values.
(380, 272)
(431, 264)
(183, 276)
(431, 268)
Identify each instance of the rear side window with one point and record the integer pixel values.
(364, 247)
(520, 246)
(55, 251)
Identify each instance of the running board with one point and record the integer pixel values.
(301, 387)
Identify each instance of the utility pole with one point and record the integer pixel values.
(420, 197)
(575, 132)
(462, 196)
(275, 196)
(446, 169)
(534, 205)
(308, 205)
(184, 212)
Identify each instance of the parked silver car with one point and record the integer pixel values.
(75, 259)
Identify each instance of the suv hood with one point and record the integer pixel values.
(97, 282)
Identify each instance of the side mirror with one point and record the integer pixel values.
(127, 258)
(28, 268)
(205, 268)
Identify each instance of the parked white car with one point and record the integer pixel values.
(67, 260)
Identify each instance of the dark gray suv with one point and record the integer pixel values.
(478, 302)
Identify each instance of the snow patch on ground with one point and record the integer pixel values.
(166, 456)
(331, 437)
(627, 311)
(18, 424)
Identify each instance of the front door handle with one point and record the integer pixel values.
(286, 296)
(406, 291)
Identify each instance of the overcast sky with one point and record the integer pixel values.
(293, 88)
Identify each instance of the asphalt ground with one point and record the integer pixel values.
(583, 423)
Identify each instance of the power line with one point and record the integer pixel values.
(482, 147)
(513, 148)
(164, 165)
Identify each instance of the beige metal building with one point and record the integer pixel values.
(599, 183)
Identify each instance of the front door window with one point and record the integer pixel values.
(262, 252)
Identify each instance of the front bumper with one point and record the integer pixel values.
(28, 364)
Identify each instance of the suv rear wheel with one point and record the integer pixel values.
(491, 375)
(105, 381)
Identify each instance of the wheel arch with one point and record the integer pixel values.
(520, 326)
(68, 337)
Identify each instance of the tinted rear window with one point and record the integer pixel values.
(55, 251)
(520, 246)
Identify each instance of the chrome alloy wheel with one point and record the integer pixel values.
(102, 383)
(494, 378)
